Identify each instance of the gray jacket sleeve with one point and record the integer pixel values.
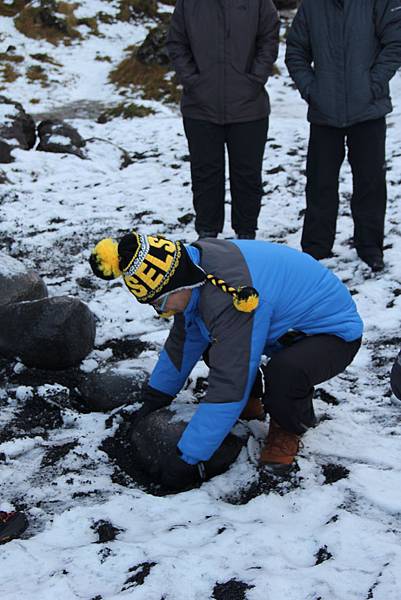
(267, 41)
(178, 46)
(395, 379)
(388, 29)
(298, 56)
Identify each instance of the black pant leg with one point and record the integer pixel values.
(206, 149)
(292, 373)
(367, 155)
(326, 153)
(246, 146)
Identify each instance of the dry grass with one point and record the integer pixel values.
(10, 10)
(37, 73)
(34, 23)
(54, 22)
(13, 58)
(150, 79)
(133, 9)
(126, 111)
(8, 74)
(45, 58)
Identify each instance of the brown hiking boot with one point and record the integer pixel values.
(253, 410)
(280, 448)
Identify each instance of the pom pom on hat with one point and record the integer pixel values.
(246, 299)
(104, 259)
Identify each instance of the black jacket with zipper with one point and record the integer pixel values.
(342, 54)
(223, 52)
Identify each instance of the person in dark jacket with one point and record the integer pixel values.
(341, 55)
(237, 300)
(223, 53)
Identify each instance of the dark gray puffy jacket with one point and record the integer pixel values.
(342, 54)
(223, 52)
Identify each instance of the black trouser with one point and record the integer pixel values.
(292, 373)
(366, 154)
(246, 144)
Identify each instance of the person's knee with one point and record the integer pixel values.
(284, 374)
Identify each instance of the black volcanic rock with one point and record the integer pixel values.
(52, 333)
(17, 283)
(157, 435)
(104, 391)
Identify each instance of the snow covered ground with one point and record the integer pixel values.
(330, 533)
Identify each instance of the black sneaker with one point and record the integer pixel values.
(246, 235)
(207, 234)
(12, 524)
(376, 263)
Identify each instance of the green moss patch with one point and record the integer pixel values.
(126, 111)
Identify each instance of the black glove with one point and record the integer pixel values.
(152, 400)
(178, 475)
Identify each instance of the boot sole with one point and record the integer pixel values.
(277, 468)
(13, 528)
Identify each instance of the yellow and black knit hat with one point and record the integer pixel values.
(153, 266)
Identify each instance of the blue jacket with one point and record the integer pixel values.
(295, 292)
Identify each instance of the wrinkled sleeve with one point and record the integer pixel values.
(182, 350)
(298, 57)
(267, 42)
(234, 359)
(388, 61)
(179, 48)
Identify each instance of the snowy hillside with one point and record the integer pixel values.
(332, 530)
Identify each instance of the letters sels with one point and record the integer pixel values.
(153, 270)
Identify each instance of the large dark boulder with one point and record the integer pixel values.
(110, 389)
(153, 50)
(53, 333)
(17, 283)
(17, 129)
(57, 136)
(157, 435)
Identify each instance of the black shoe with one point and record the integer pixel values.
(12, 524)
(319, 255)
(376, 263)
(247, 235)
(207, 234)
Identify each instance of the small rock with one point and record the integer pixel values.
(52, 333)
(106, 531)
(17, 129)
(153, 50)
(17, 283)
(231, 590)
(57, 136)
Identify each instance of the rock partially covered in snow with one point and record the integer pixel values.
(157, 435)
(105, 152)
(57, 136)
(17, 283)
(110, 389)
(153, 50)
(53, 333)
(17, 129)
